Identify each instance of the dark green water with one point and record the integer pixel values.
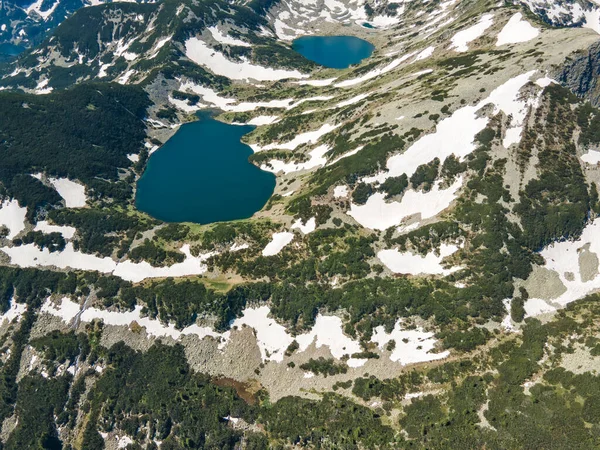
(336, 52)
(202, 174)
(9, 51)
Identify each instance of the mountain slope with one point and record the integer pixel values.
(417, 279)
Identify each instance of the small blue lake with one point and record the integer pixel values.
(336, 52)
(202, 175)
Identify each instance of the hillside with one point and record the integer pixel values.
(424, 274)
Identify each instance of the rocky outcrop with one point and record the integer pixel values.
(581, 74)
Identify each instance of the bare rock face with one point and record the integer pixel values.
(582, 73)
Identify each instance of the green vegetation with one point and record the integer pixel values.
(322, 366)
(83, 133)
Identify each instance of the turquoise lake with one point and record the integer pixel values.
(336, 52)
(202, 175)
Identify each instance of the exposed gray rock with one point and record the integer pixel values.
(581, 73)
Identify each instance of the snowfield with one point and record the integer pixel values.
(307, 227)
(591, 157)
(317, 158)
(15, 311)
(12, 216)
(272, 338)
(73, 193)
(199, 52)
(278, 241)
(340, 191)
(414, 264)
(564, 258)
(45, 227)
(377, 214)
(225, 38)
(412, 346)
(31, 256)
(455, 134)
(516, 30)
(309, 137)
(461, 39)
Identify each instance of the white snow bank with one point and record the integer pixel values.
(225, 38)
(379, 215)
(309, 137)
(15, 311)
(328, 331)
(353, 100)
(159, 44)
(563, 258)
(37, 8)
(455, 134)
(317, 83)
(263, 120)
(12, 216)
(124, 79)
(307, 227)
(414, 264)
(591, 157)
(272, 338)
(345, 155)
(461, 39)
(424, 54)
(136, 272)
(216, 62)
(516, 30)
(45, 227)
(73, 193)
(536, 306)
(317, 158)
(31, 256)
(417, 348)
(230, 104)
(278, 241)
(340, 191)
(67, 310)
(373, 73)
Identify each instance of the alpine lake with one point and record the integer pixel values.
(202, 173)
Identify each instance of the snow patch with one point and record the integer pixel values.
(591, 157)
(200, 53)
(307, 227)
(278, 241)
(461, 39)
(340, 191)
(45, 227)
(309, 137)
(31, 256)
(412, 346)
(376, 214)
(12, 216)
(414, 264)
(317, 158)
(73, 193)
(15, 311)
(516, 30)
(225, 38)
